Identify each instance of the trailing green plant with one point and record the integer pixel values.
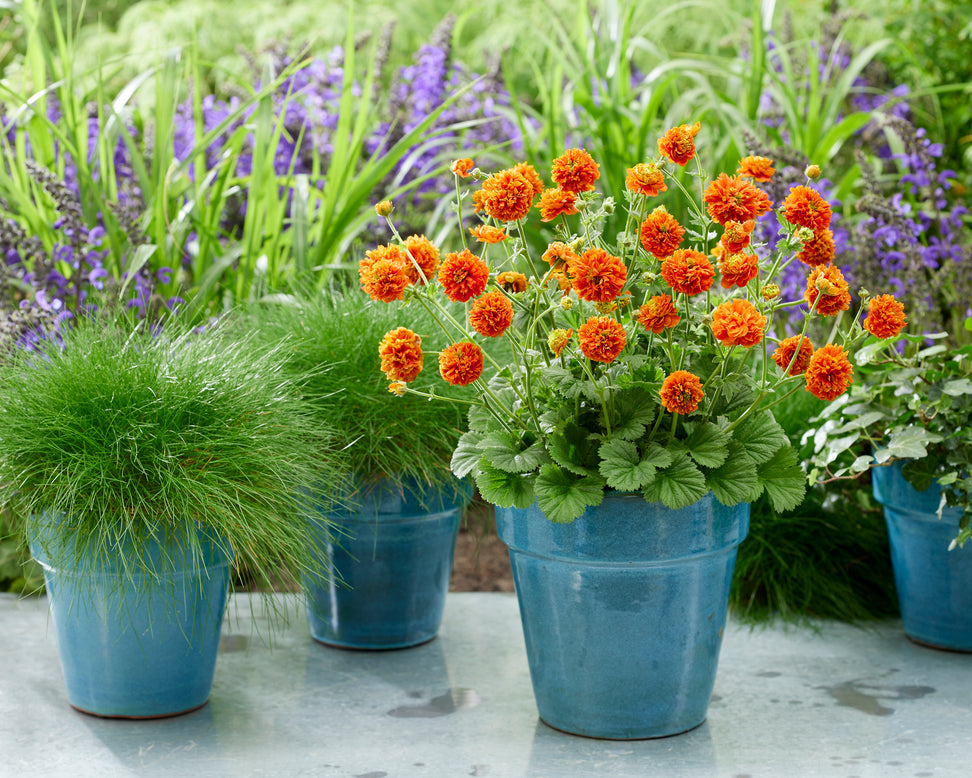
(914, 405)
(330, 341)
(118, 436)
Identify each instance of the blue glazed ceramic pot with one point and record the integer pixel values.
(934, 584)
(139, 645)
(387, 569)
(623, 611)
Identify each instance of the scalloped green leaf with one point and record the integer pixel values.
(707, 444)
(784, 479)
(562, 381)
(507, 453)
(571, 448)
(622, 466)
(563, 496)
(634, 411)
(678, 485)
(736, 480)
(504, 489)
(761, 437)
(465, 459)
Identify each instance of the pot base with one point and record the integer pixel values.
(926, 644)
(367, 649)
(139, 718)
(636, 737)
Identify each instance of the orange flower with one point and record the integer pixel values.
(730, 198)
(736, 235)
(491, 314)
(597, 276)
(575, 171)
(486, 234)
(885, 316)
(384, 273)
(771, 292)
(601, 338)
(463, 276)
(681, 392)
(461, 167)
(559, 255)
(828, 283)
(678, 144)
(661, 233)
(805, 207)
(384, 208)
(461, 363)
(738, 323)
(688, 271)
(512, 281)
(756, 168)
(819, 250)
(531, 175)
(829, 373)
(658, 314)
(645, 179)
(426, 254)
(506, 196)
(556, 202)
(401, 355)
(787, 348)
(558, 340)
(738, 270)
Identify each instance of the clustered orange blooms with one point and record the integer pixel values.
(829, 372)
(678, 144)
(463, 276)
(658, 314)
(688, 271)
(461, 363)
(602, 338)
(738, 323)
(681, 392)
(401, 355)
(661, 233)
(645, 179)
(885, 317)
(491, 314)
(798, 345)
(599, 277)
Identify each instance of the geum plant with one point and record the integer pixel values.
(631, 369)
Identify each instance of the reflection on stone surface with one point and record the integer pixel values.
(443, 705)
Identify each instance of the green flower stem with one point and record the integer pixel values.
(462, 232)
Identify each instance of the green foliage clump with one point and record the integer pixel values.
(332, 342)
(125, 436)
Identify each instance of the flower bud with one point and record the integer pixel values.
(649, 278)
(824, 286)
(771, 292)
(558, 339)
(608, 205)
(804, 234)
(863, 293)
(566, 303)
(397, 388)
(606, 307)
(812, 172)
(576, 245)
(384, 208)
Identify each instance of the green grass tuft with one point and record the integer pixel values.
(126, 436)
(332, 342)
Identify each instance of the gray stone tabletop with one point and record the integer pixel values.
(828, 700)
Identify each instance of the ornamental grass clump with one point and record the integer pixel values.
(330, 342)
(115, 439)
(631, 368)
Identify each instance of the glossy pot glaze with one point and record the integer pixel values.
(623, 611)
(135, 644)
(934, 584)
(387, 568)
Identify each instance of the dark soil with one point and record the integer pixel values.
(482, 562)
